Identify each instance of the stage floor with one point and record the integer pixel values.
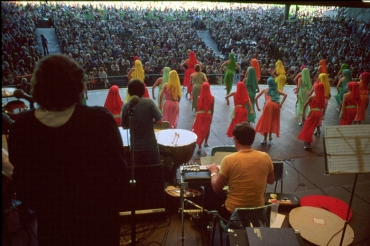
(304, 171)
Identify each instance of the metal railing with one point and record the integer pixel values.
(122, 80)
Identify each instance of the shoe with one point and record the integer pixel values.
(206, 145)
(300, 124)
(263, 142)
(307, 146)
(317, 133)
(270, 137)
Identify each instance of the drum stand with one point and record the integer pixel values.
(132, 180)
(183, 186)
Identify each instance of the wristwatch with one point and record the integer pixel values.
(213, 174)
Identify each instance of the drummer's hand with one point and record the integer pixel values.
(212, 168)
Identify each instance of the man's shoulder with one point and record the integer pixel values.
(145, 102)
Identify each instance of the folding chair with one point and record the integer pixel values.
(223, 148)
(241, 218)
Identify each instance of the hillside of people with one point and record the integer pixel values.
(109, 35)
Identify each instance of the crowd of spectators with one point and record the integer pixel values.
(20, 51)
(304, 39)
(111, 40)
(109, 36)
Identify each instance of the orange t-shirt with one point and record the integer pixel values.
(247, 172)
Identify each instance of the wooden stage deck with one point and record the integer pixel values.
(303, 170)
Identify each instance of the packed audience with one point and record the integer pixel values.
(109, 36)
(305, 39)
(20, 51)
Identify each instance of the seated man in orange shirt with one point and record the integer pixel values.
(246, 172)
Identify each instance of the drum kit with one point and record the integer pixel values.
(176, 147)
(12, 108)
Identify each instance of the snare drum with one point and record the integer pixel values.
(178, 144)
(14, 108)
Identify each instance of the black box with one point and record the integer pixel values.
(265, 236)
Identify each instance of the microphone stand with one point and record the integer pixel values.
(132, 180)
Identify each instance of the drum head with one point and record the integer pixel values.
(14, 108)
(175, 137)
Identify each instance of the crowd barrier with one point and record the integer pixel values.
(122, 80)
(150, 79)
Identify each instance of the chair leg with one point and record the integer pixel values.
(221, 239)
(213, 231)
(275, 186)
(281, 185)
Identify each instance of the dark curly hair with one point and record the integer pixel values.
(57, 82)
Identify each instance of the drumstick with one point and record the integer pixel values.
(177, 139)
(178, 136)
(173, 140)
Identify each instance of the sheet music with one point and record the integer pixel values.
(347, 149)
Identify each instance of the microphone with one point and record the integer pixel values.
(133, 101)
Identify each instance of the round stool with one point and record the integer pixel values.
(331, 204)
(320, 226)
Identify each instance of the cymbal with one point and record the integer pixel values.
(175, 191)
(7, 91)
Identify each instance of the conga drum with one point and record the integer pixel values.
(14, 108)
(176, 144)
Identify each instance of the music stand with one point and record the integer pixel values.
(346, 152)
